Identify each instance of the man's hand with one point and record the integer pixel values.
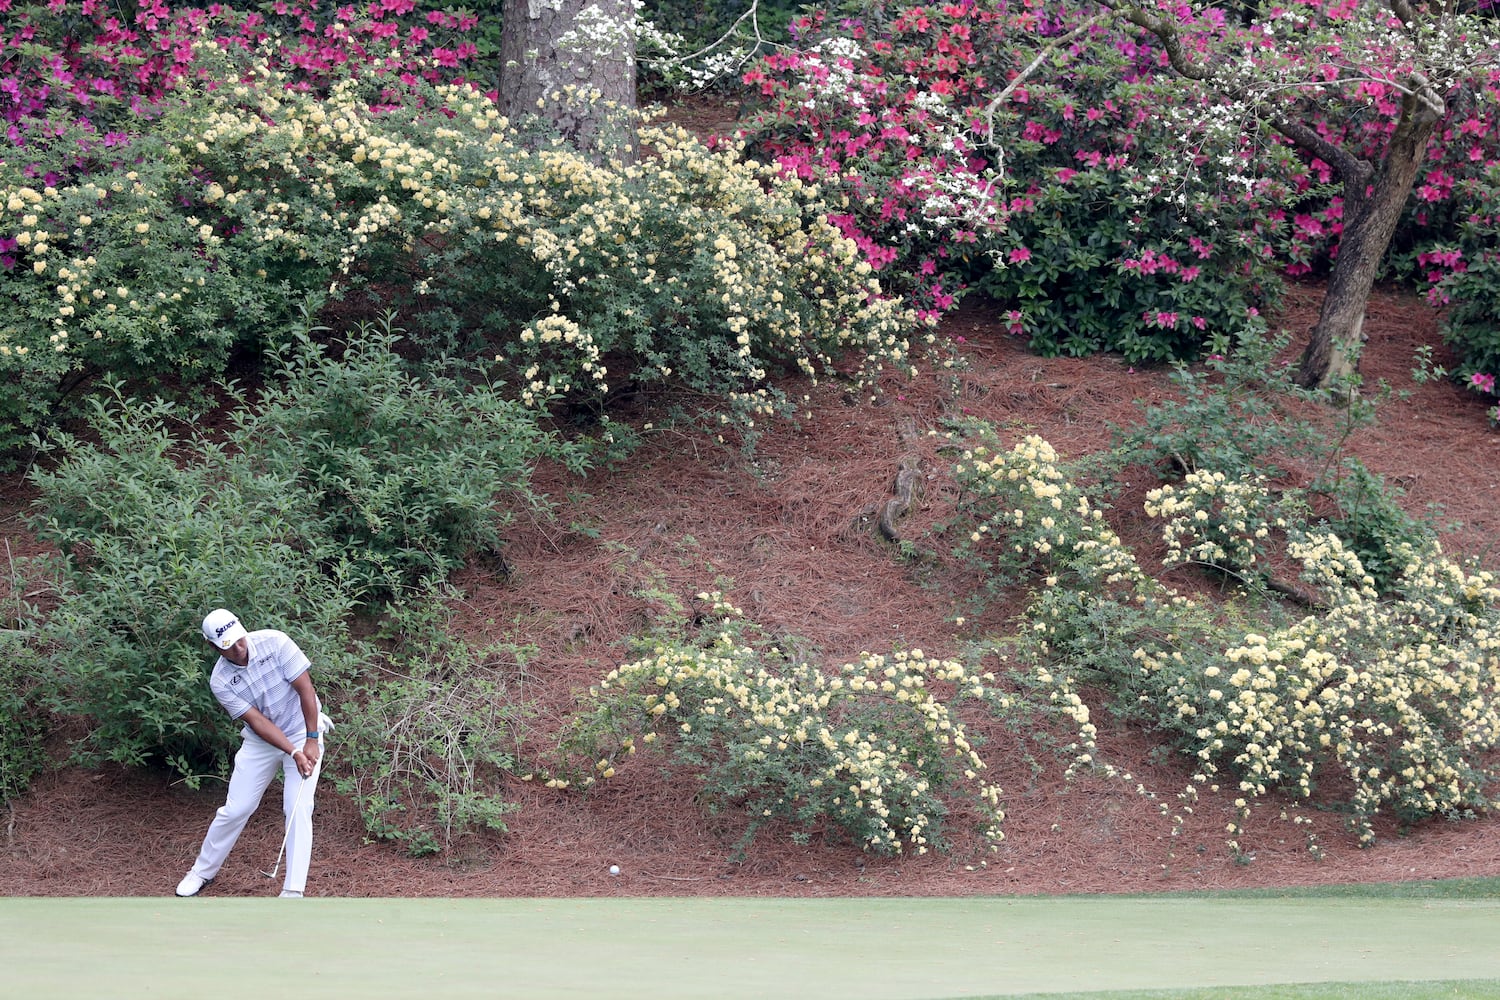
(306, 757)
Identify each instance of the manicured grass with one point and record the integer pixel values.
(1451, 888)
(873, 949)
(1469, 989)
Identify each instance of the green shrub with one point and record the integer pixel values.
(21, 724)
(407, 475)
(144, 277)
(1368, 517)
(872, 750)
(251, 202)
(155, 530)
(424, 737)
(1231, 417)
(1107, 262)
(690, 270)
(1233, 425)
(1471, 289)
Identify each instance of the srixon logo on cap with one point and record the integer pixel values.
(231, 623)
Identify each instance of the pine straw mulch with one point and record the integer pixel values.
(794, 534)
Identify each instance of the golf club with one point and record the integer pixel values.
(295, 806)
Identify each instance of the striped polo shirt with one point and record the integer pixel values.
(264, 682)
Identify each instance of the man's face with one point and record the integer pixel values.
(239, 653)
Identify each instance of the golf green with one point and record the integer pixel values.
(728, 948)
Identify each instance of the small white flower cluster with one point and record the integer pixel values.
(1215, 521)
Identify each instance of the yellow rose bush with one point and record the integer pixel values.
(873, 749)
(247, 203)
(1370, 702)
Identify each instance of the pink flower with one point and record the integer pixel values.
(1483, 382)
(1019, 255)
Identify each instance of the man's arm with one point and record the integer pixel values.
(267, 730)
(313, 748)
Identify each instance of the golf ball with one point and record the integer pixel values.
(614, 869)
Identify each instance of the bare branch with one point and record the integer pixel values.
(1052, 46)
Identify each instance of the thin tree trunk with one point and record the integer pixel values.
(1370, 221)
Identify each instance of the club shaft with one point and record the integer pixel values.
(292, 817)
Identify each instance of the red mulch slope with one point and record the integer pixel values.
(795, 533)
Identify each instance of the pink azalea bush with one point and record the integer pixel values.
(1047, 202)
(1127, 219)
(888, 136)
(103, 63)
(1466, 275)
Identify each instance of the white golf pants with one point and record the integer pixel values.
(254, 767)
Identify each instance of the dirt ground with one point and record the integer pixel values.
(794, 532)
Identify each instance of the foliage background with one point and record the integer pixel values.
(90, 626)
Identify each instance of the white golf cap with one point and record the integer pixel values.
(222, 628)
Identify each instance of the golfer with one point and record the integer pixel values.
(261, 678)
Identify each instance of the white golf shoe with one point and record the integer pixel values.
(290, 894)
(191, 884)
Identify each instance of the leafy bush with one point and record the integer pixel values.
(695, 270)
(873, 750)
(407, 476)
(1231, 417)
(119, 253)
(1373, 704)
(1368, 517)
(21, 728)
(1105, 260)
(1096, 237)
(1467, 277)
(120, 279)
(1058, 524)
(22, 724)
(423, 738)
(689, 269)
(155, 529)
(1216, 521)
(1232, 428)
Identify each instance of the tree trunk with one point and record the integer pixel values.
(571, 64)
(1370, 219)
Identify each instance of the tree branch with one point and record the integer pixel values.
(1052, 46)
(1171, 41)
(1352, 170)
